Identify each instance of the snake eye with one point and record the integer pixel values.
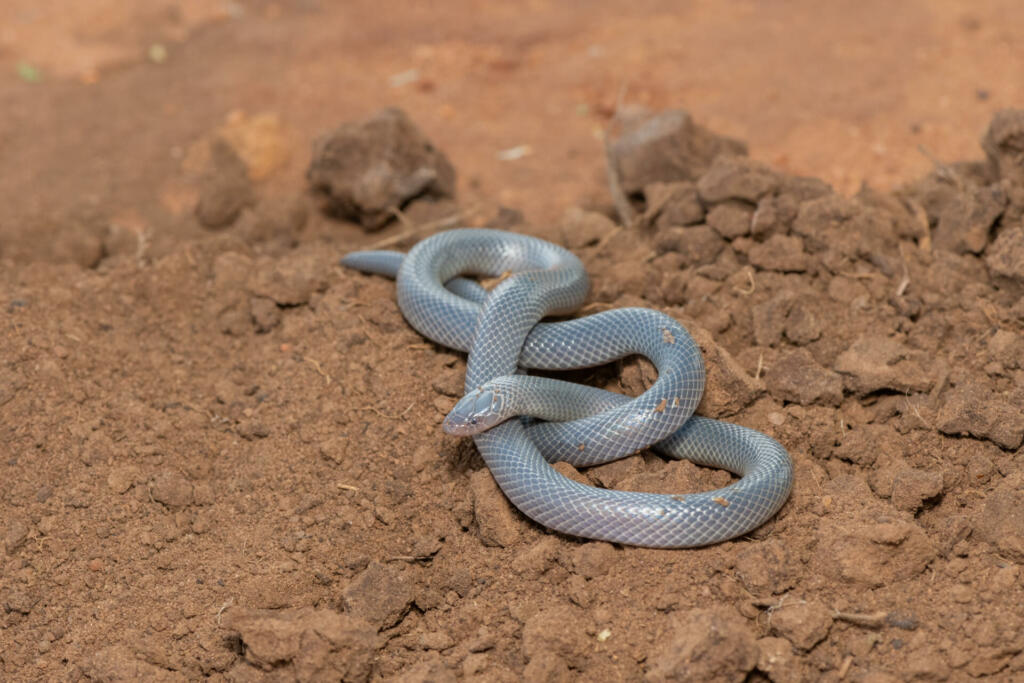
(472, 420)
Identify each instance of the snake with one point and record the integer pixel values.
(524, 423)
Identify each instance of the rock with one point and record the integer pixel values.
(911, 487)
(1004, 144)
(672, 204)
(782, 253)
(171, 488)
(974, 410)
(118, 664)
(557, 631)
(497, 521)
(581, 228)
(766, 568)
(728, 388)
(796, 377)
(731, 219)
(304, 643)
(1001, 521)
(705, 645)
(1005, 257)
(380, 595)
(965, 221)
(736, 177)
(226, 188)
(369, 168)
(698, 245)
(805, 624)
(667, 147)
(874, 362)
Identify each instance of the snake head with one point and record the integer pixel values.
(475, 412)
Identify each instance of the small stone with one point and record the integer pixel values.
(667, 147)
(736, 177)
(498, 523)
(731, 219)
(367, 169)
(380, 596)
(672, 204)
(171, 488)
(805, 624)
(974, 410)
(912, 487)
(707, 644)
(798, 378)
(226, 188)
(782, 253)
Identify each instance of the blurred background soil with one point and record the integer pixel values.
(199, 477)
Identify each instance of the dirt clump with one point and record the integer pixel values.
(368, 170)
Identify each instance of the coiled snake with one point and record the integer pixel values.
(581, 425)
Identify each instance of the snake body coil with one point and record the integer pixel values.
(502, 333)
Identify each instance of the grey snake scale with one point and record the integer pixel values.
(560, 421)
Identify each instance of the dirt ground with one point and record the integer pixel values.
(221, 454)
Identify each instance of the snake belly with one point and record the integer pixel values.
(502, 333)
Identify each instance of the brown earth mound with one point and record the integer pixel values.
(222, 454)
